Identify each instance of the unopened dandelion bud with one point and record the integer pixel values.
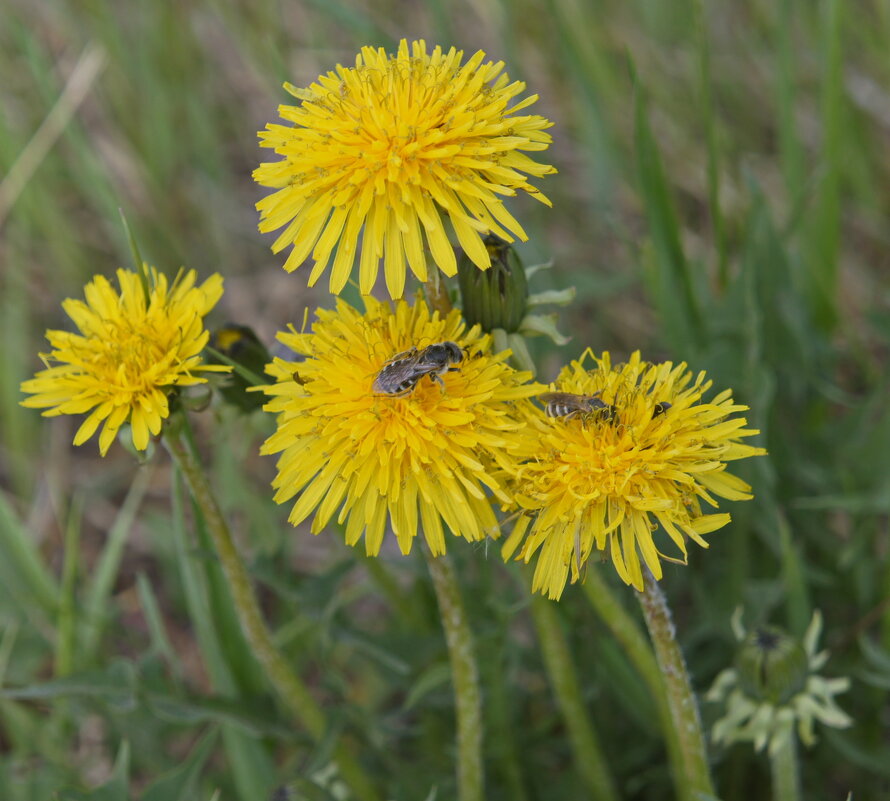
(774, 688)
(241, 346)
(496, 297)
(772, 665)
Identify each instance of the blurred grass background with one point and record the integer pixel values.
(723, 198)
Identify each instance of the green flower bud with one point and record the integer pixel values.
(496, 297)
(772, 666)
(242, 349)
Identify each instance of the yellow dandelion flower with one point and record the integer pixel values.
(386, 148)
(439, 450)
(646, 453)
(130, 353)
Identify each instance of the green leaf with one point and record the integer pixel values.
(876, 656)
(114, 685)
(117, 788)
(251, 715)
(179, 783)
(431, 679)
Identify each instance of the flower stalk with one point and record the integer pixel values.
(783, 766)
(628, 633)
(464, 675)
(589, 758)
(290, 688)
(681, 700)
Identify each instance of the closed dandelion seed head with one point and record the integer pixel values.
(432, 456)
(631, 480)
(130, 351)
(376, 155)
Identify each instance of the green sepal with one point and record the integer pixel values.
(558, 297)
(544, 325)
(239, 347)
(521, 357)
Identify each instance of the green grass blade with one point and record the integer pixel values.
(157, 629)
(21, 564)
(790, 148)
(709, 118)
(240, 662)
(252, 769)
(67, 620)
(96, 602)
(824, 236)
(671, 280)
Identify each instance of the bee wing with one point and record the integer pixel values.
(559, 397)
(394, 376)
(403, 355)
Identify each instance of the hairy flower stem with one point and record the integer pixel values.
(290, 688)
(631, 637)
(589, 759)
(783, 765)
(464, 675)
(681, 700)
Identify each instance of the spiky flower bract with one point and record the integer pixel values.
(607, 479)
(438, 451)
(757, 715)
(134, 346)
(384, 149)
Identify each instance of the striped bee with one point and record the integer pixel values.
(401, 373)
(568, 405)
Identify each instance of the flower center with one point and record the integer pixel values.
(128, 354)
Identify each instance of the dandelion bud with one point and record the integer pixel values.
(772, 665)
(496, 297)
(774, 687)
(242, 346)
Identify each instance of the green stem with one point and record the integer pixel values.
(290, 688)
(681, 699)
(632, 639)
(589, 759)
(783, 765)
(464, 675)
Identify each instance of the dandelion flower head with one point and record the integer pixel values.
(607, 480)
(385, 149)
(435, 454)
(132, 348)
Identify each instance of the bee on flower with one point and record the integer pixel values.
(414, 452)
(617, 452)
